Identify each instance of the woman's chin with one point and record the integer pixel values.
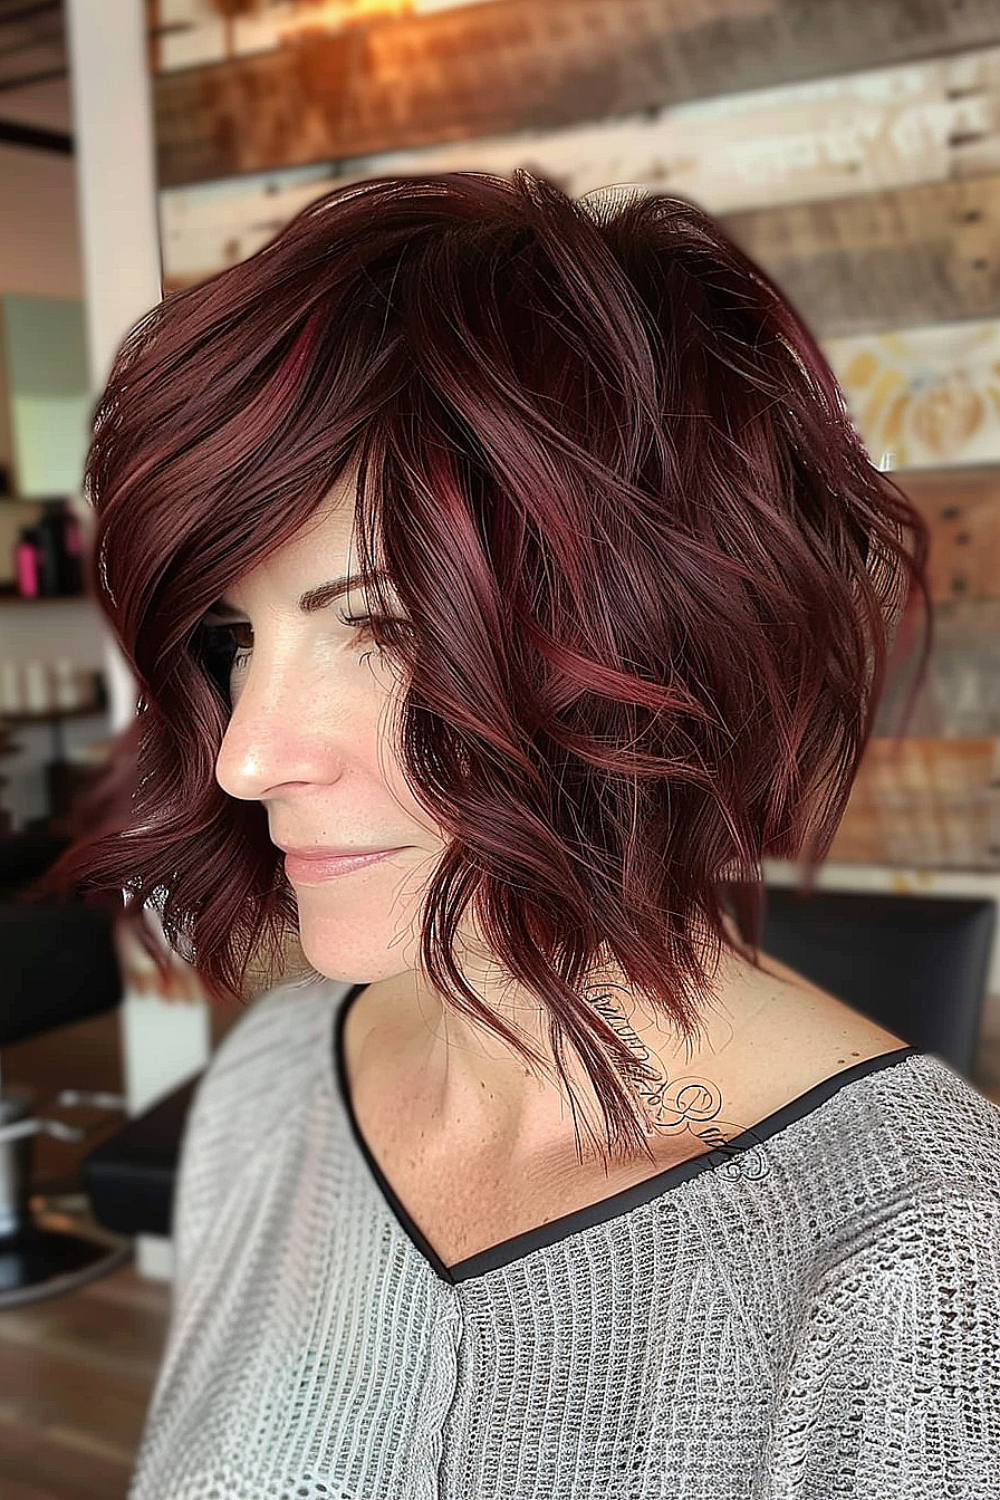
(333, 950)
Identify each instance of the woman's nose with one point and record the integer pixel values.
(272, 739)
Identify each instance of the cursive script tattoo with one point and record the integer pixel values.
(680, 1106)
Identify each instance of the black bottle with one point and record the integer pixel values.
(47, 536)
(57, 533)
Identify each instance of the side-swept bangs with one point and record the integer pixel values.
(652, 575)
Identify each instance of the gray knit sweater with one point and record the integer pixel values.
(812, 1310)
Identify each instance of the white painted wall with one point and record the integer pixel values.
(162, 1043)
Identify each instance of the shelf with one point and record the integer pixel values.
(34, 499)
(41, 598)
(52, 715)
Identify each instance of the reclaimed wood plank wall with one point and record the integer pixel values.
(852, 148)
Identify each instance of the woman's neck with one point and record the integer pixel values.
(465, 1079)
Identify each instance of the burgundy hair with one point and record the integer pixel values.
(652, 577)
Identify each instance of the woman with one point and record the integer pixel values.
(526, 544)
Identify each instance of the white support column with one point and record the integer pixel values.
(162, 1042)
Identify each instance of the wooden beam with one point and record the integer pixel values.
(883, 260)
(882, 188)
(929, 803)
(486, 70)
(35, 138)
(962, 508)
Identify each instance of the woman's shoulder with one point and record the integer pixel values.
(930, 1127)
(806, 1042)
(789, 1036)
(265, 1066)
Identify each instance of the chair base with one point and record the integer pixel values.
(39, 1262)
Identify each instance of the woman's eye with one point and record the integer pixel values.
(226, 648)
(389, 627)
(362, 622)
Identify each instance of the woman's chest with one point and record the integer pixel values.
(465, 1197)
(467, 1193)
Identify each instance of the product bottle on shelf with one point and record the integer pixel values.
(73, 552)
(26, 563)
(49, 534)
(37, 686)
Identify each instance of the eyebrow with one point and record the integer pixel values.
(312, 599)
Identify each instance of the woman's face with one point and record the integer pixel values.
(309, 737)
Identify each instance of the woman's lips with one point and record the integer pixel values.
(312, 871)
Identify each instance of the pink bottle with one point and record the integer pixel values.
(26, 565)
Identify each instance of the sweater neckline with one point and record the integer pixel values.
(742, 1156)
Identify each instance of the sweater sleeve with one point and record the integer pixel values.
(892, 1387)
(252, 1080)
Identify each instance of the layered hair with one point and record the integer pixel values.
(653, 581)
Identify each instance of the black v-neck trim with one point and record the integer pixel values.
(618, 1204)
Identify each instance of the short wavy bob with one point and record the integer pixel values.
(653, 577)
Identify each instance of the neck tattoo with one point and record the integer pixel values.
(679, 1106)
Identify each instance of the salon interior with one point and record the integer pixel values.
(857, 165)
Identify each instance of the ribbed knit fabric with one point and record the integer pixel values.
(814, 1313)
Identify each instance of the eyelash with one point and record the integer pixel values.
(364, 624)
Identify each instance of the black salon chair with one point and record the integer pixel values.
(918, 965)
(58, 965)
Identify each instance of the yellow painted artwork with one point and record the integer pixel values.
(926, 396)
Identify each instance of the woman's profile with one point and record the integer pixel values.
(524, 545)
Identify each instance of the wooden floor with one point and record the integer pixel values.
(77, 1371)
(76, 1374)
